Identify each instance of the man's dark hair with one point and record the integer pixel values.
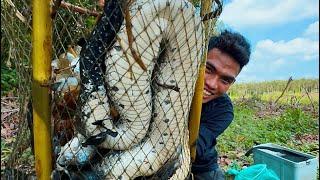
(233, 44)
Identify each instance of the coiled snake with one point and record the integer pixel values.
(153, 96)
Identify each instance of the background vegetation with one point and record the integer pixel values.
(291, 122)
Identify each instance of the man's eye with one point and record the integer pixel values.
(225, 81)
(209, 70)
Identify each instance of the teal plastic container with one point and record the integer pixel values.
(254, 172)
(288, 164)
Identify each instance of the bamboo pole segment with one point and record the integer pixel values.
(79, 9)
(195, 113)
(41, 65)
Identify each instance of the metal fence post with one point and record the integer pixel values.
(195, 112)
(41, 64)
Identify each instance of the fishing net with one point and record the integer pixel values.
(123, 78)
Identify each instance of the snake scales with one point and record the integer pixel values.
(153, 100)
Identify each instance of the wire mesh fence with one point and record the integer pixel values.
(123, 77)
(16, 159)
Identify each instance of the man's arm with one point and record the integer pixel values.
(213, 123)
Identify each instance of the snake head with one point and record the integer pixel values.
(99, 138)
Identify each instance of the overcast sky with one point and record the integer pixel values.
(284, 35)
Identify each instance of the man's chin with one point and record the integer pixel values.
(206, 99)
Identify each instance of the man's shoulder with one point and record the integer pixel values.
(221, 103)
(223, 99)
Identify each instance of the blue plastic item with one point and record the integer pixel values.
(288, 164)
(254, 172)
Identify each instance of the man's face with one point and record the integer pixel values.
(221, 71)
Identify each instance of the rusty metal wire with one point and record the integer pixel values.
(15, 54)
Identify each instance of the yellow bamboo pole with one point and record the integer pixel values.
(41, 71)
(195, 113)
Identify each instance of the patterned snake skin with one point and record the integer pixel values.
(153, 103)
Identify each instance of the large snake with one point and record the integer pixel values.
(168, 38)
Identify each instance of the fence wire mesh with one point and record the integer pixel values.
(123, 77)
(16, 158)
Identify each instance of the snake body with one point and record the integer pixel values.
(93, 91)
(153, 103)
(172, 87)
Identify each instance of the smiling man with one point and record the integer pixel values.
(227, 54)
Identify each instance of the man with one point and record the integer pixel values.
(227, 54)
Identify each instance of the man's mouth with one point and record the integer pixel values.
(207, 93)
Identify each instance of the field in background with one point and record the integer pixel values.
(292, 121)
(301, 91)
(262, 117)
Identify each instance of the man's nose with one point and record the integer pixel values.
(212, 82)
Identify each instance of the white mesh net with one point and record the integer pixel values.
(142, 61)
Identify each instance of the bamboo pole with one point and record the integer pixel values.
(195, 113)
(79, 9)
(41, 60)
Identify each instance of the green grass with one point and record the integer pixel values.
(248, 129)
(9, 80)
(5, 150)
(299, 91)
(288, 97)
(297, 85)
